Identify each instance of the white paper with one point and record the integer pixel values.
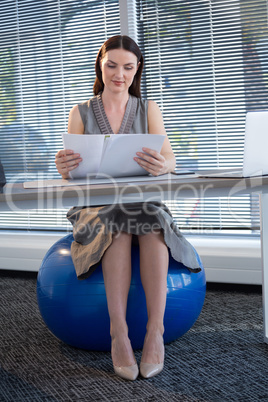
(110, 155)
(90, 149)
(117, 159)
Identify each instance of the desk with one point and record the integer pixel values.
(170, 187)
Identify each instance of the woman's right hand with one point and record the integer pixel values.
(66, 160)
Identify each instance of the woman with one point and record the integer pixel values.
(118, 108)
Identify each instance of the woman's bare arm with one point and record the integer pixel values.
(66, 160)
(157, 163)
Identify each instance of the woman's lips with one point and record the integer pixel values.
(118, 82)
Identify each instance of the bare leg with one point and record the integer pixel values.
(116, 266)
(154, 268)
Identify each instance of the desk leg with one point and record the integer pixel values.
(264, 248)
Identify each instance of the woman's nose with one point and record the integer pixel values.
(119, 71)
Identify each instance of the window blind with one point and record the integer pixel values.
(47, 58)
(206, 66)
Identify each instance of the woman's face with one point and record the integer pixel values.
(118, 67)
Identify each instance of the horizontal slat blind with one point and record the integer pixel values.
(206, 66)
(47, 58)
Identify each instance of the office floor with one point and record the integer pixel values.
(222, 358)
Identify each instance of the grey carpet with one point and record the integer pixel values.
(222, 358)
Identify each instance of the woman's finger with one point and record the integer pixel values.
(64, 152)
(69, 165)
(148, 159)
(69, 159)
(153, 157)
(63, 157)
(153, 153)
(154, 169)
(158, 163)
(66, 160)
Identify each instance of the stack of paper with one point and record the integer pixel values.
(110, 155)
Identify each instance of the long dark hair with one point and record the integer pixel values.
(119, 42)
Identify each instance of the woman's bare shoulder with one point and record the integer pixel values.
(74, 112)
(155, 119)
(153, 107)
(75, 124)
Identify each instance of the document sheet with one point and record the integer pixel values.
(110, 155)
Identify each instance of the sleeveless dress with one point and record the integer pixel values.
(93, 227)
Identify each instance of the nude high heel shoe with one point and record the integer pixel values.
(148, 370)
(128, 373)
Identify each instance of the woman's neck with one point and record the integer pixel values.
(113, 101)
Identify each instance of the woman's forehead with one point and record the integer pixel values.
(120, 56)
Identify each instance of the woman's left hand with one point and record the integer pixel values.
(152, 161)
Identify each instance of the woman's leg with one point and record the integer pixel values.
(154, 268)
(116, 266)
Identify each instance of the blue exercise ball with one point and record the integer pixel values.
(76, 311)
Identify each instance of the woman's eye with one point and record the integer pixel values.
(126, 68)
